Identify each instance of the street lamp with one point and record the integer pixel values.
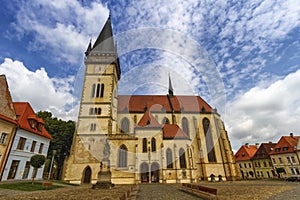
(53, 154)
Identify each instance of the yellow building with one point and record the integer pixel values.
(243, 160)
(285, 156)
(8, 122)
(147, 138)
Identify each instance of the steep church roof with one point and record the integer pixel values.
(162, 103)
(105, 47)
(148, 120)
(105, 42)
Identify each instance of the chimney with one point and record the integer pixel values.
(247, 145)
(257, 145)
(292, 135)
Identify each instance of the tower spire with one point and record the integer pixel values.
(171, 92)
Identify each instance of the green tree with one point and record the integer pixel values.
(62, 133)
(36, 162)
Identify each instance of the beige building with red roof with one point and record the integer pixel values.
(285, 156)
(263, 167)
(143, 138)
(243, 160)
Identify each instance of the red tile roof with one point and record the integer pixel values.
(3, 117)
(172, 131)
(289, 142)
(162, 103)
(148, 120)
(25, 112)
(264, 150)
(246, 152)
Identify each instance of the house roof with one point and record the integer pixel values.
(173, 131)
(25, 112)
(7, 111)
(246, 152)
(162, 103)
(264, 150)
(286, 144)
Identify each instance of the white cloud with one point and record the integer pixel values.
(41, 91)
(63, 28)
(266, 113)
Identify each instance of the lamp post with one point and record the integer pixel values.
(53, 154)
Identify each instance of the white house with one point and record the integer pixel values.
(31, 138)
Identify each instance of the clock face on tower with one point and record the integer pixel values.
(99, 69)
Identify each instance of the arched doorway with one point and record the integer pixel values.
(144, 173)
(87, 172)
(155, 172)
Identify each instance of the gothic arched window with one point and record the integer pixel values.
(153, 144)
(102, 90)
(209, 140)
(144, 145)
(182, 158)
(122, 159)
(125, 125)
(169, 158)
(185, 125)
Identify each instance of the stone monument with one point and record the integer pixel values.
(104, 175)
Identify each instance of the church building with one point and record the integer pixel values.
(146, 138)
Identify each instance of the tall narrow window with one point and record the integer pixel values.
(102, 90)
(209, 140)
(125, 125)
(153, 144)
(21, 143)
(185, 125)
(3, 138)
(144, 145)
(41, 148)
(98, 90)
(93, 90)
(182, 158)
(122, 160)
(169, 158)
(33, 146)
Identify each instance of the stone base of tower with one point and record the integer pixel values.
(81, 166)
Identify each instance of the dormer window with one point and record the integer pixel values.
(285, 148)
(40, 127)
(32, 121)
(277, 150)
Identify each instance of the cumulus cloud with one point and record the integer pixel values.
(266, 113)
(241, 37)
(66, 30)
(41, 91)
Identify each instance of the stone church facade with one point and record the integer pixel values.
(148, 138)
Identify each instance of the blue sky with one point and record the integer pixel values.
(243, 57)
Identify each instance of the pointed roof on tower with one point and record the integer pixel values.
(171, 91)
(105, 42)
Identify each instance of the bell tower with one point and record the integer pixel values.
(98, 109)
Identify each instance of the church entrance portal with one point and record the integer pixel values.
(154, 175)
(154, 172)
(87, 175)
(144, 173)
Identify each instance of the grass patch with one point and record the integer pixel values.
(62, 182)
(27, 186)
